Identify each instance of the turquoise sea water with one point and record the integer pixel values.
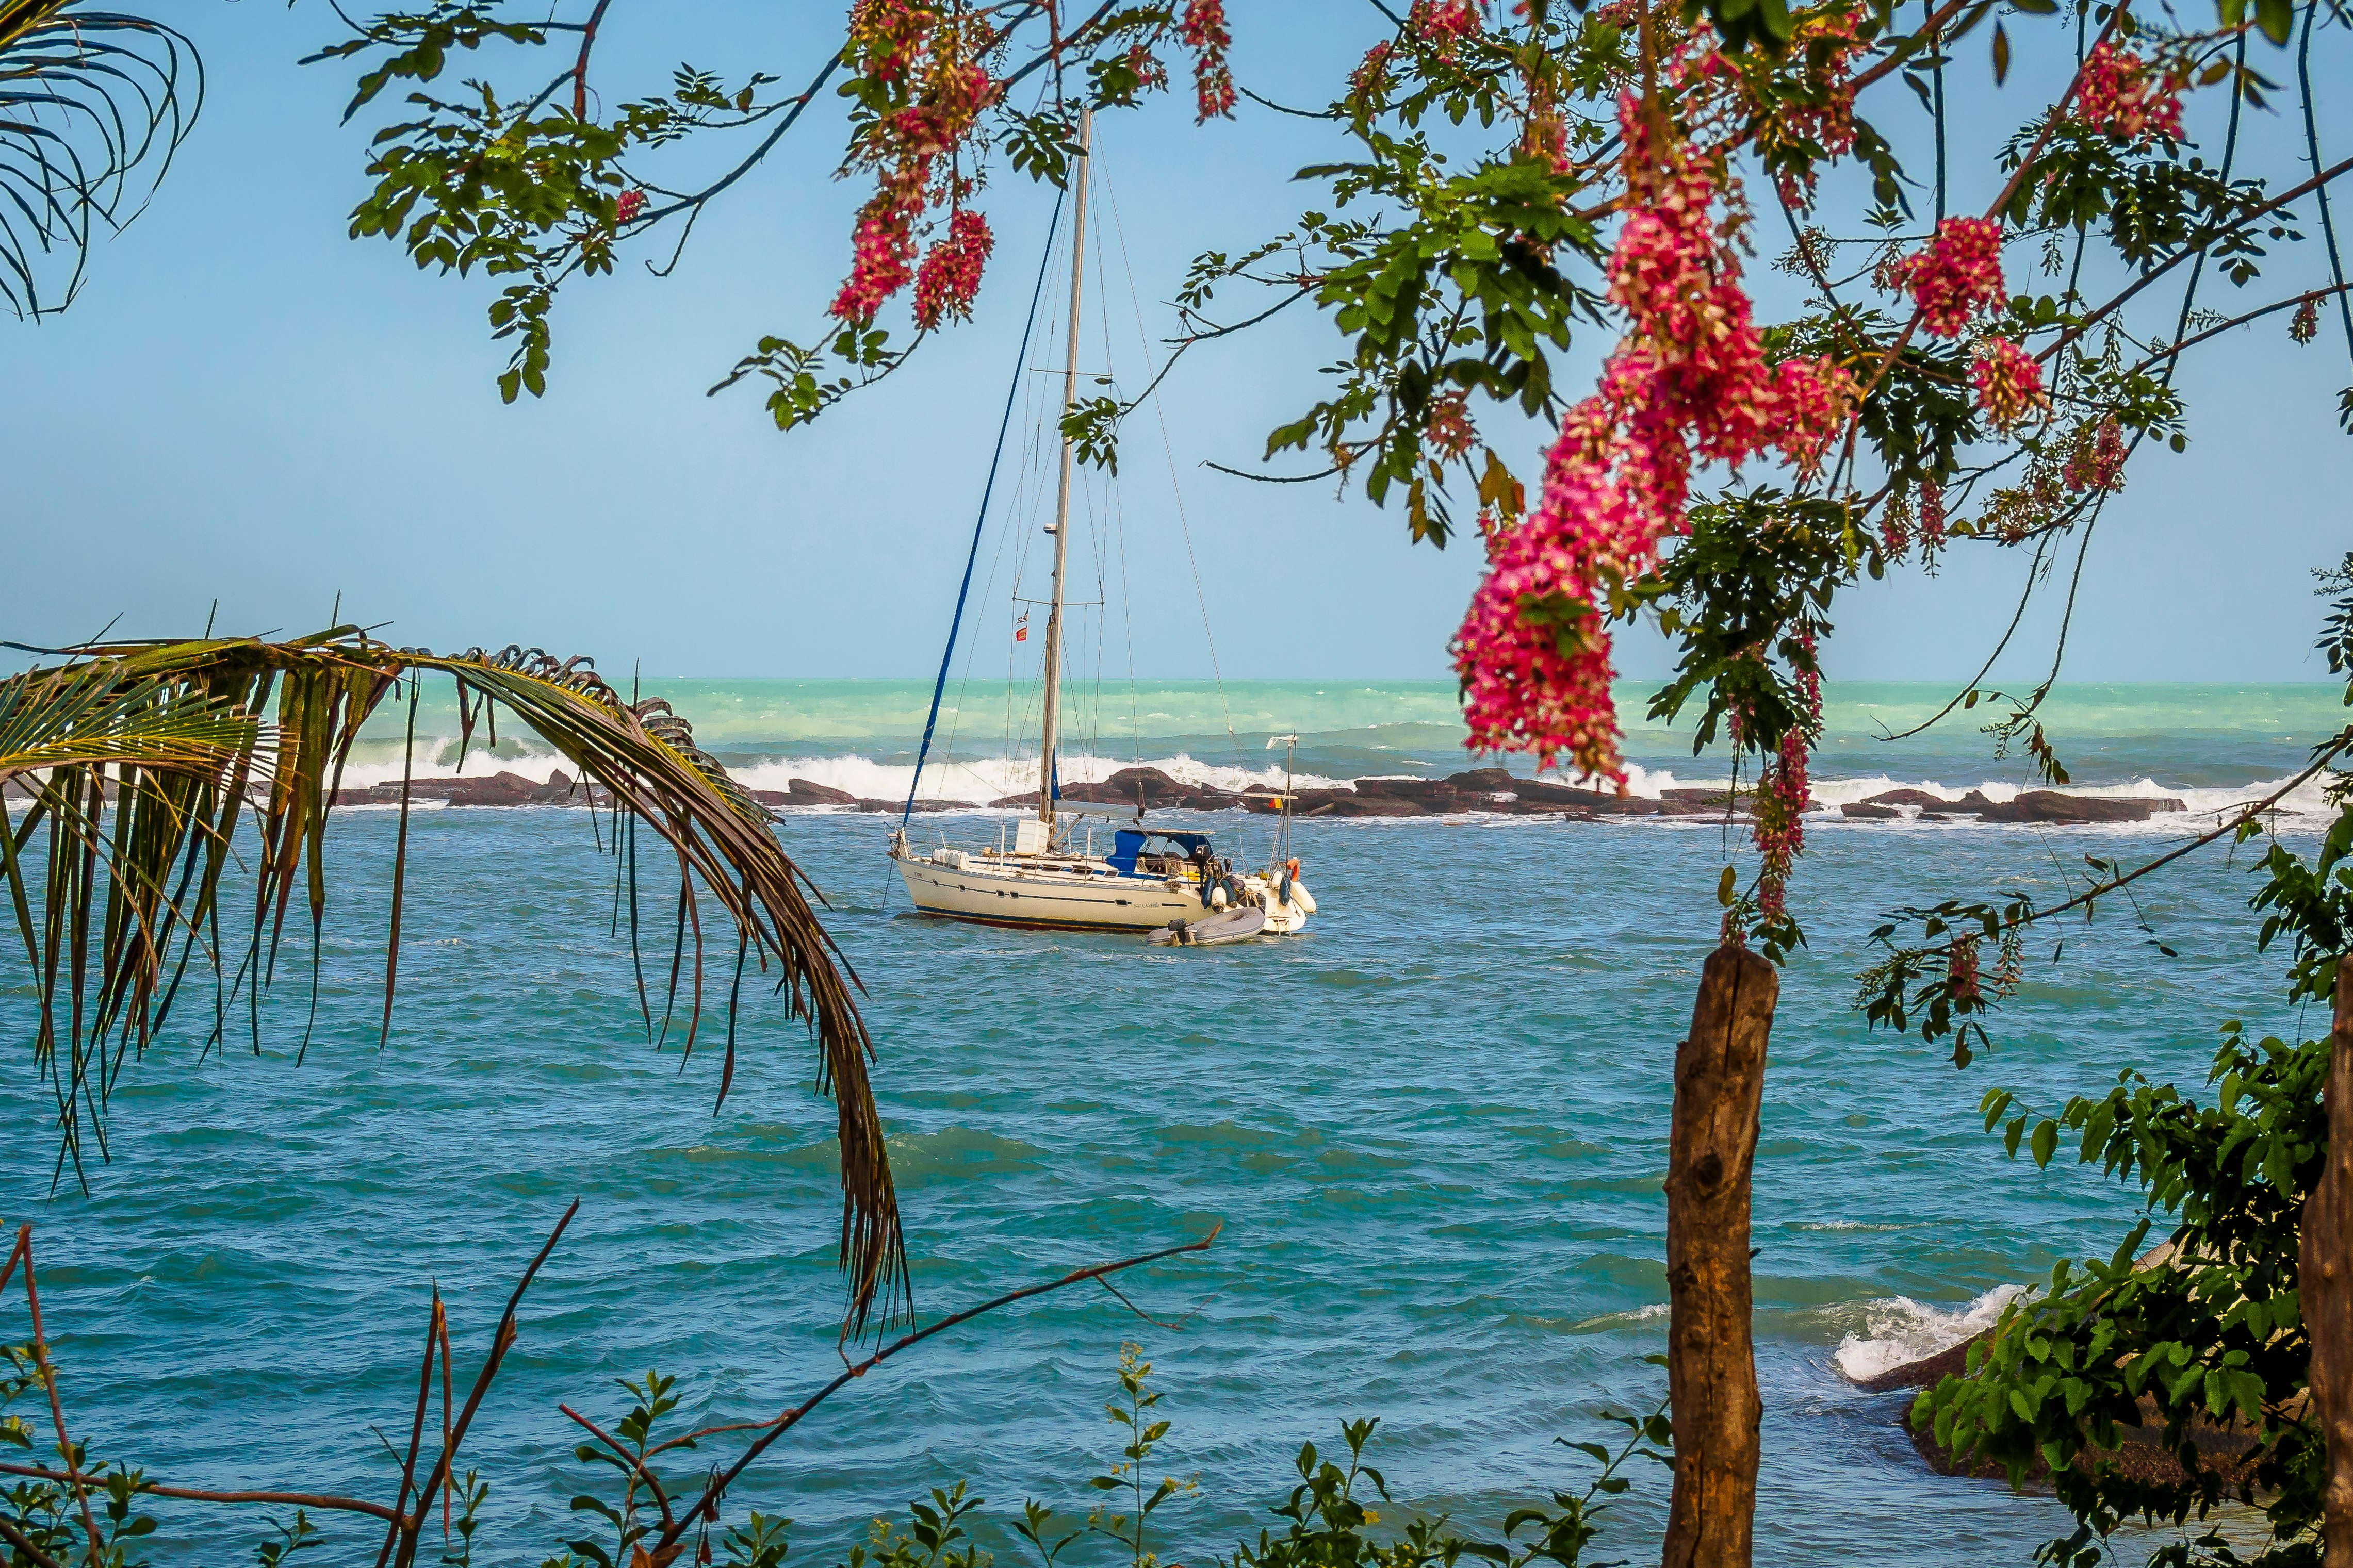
(1432, 1129)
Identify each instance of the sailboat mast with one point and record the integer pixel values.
(1053, 704)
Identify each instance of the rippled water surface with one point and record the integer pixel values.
(1433, 1129)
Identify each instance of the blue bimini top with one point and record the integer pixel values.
(1129, 842)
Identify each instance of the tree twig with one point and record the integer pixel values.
(410, 1526)
(2246, 813)
(721, 1480)
(580, 67)
(629, 1461)
(2197, 248)
(207, 1494)
(49, 1384)
(17, 1537)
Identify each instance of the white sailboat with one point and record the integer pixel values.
(1049, 877)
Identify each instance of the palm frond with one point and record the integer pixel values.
(144, 761)
(92, 106)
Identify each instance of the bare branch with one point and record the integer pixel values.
(721, 1480)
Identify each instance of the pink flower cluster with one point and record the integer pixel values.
(627, 205)
(1830, 42)
(1689, 382)
(1150, 74)
(1372, 74)
(1204, 30)
(1932, 512)
(2123, 96)
(883, 250)
(1962, 983)
(2098, 464)
(2009, 382)
(930, 57)
(1448, 426)
(1785, 798)
(1444, 24)
(2304, 325)
(949, 279)
(1954, 276)
(1896, 526)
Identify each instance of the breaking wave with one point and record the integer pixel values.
(982, 780)
(1896, 1331)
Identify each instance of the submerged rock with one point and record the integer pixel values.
(1865, 811)
(2223, 1449)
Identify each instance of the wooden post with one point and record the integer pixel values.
(1711, 1357)
(2326, 1283)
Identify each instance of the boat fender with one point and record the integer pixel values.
(1218, 896)
(1302, 898)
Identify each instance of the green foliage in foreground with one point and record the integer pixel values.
(1327, 1521)
(2208, 1334)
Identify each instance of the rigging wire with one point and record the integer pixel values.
(979, 523)
(1168, 451)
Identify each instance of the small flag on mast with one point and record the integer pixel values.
(1021, 627)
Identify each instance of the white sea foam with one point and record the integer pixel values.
(986, 779)
(979, 781)
(1898, 1330)
(983, 780)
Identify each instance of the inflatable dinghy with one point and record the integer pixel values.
(1233, 925)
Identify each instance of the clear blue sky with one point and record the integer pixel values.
(247, 405)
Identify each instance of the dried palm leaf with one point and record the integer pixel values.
(141, 758)
(92, 106)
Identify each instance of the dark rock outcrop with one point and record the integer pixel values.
(1919, 797)
(1486, 780)
(1474, 790)
(2050, 805)
(1349, 803)
(1969, 804)
(806, 791)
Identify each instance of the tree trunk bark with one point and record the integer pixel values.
(1711, 1358)
(2326, 1283)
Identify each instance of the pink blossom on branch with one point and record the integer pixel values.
(1203, 28)
(1955, 276)
(928, 56)
(1448, 426)
(1444, 24)
(882, 251)
(1689, 382)
(627, 205)
(2098, 463)
(949, 279)
(2125, 96)
(1962, 982)
(2009, 382)
(1932, 512)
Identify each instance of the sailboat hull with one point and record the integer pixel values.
(1059, 893)
(1044, 900)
